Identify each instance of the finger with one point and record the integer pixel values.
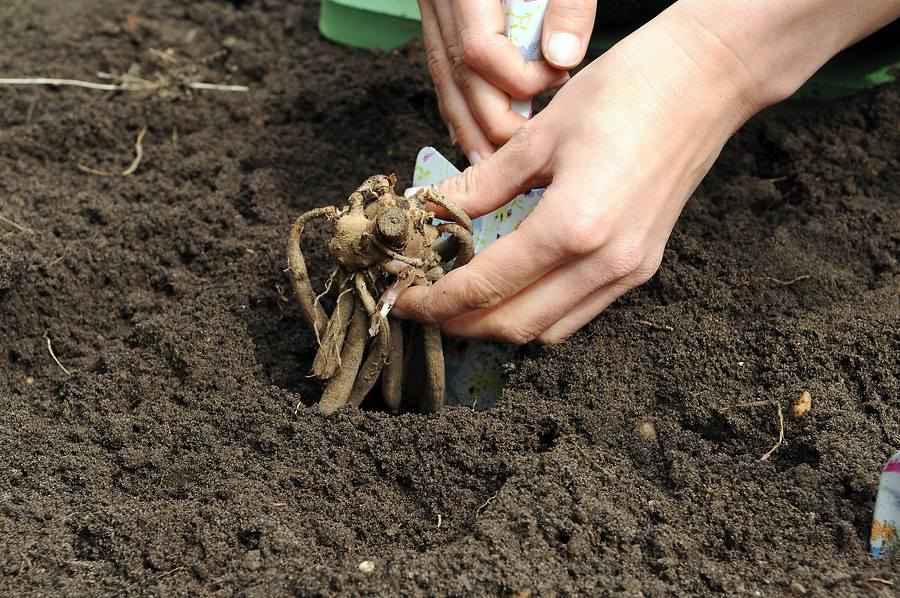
(491, 108)
(530, 313)
(567, 31)
(501, 270)
(582, 314)
(452, 103)
(483, 45)
(520, 165)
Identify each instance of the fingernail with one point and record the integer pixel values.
(412, 191)
(453, 138)
(474, 158)
(563, 48)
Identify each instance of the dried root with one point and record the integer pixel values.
(382, 244)
(434, 369)
(392, 376)
(328, 358)
(338, 390)
(299, 276)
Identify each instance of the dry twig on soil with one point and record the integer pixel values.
(884, 582)
(769, 453)
(780, 433)
(132, 168)
(786, 283)
(487, 502)
(655, 325)
(171, 76)
(53, 355)
(131, 85)
(138, 154)
(16, 225)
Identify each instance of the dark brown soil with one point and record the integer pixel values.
(180, 455)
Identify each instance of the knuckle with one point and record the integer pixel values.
(630, 262)
(527, 137)
(457, 63)
(582, 233)
(421, 307)
(473, 50)
(464, 183)
(497, 131)
(527, 142)
(511, 332)
(648, 268)
(554, 337)
(480, 294)
(436, 66)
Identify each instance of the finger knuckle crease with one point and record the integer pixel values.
(627, 262)
(572, 13)
(455, 58)
(436, 66)
(648, 268)
(513, 333)
(472, 49)
(482, 296)
(554, 338)
(497, 132)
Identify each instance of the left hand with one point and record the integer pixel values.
(476, 70)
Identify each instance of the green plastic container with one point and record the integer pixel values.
(373, 24)
(389, 24)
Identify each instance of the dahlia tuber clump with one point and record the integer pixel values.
(382, 243)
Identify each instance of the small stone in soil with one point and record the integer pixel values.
(802, 405)
(645, 430)
(367, 566)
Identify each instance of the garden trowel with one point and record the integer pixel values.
(474, 369)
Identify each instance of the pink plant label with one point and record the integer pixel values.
(886, 520)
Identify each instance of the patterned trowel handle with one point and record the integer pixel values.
(886, 520)
(475, 369)
(524, 21)
(523, 25)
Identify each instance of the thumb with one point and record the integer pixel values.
(494, 181)
(567, 30)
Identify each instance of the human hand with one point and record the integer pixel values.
(621, 147)
(477, 71)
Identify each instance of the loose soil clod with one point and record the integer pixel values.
(802, 405)
(382, 243)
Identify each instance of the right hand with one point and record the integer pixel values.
(476, 70)
(620, 149)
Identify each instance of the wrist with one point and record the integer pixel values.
(771, 46)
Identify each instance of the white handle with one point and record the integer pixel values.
(523, 22)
